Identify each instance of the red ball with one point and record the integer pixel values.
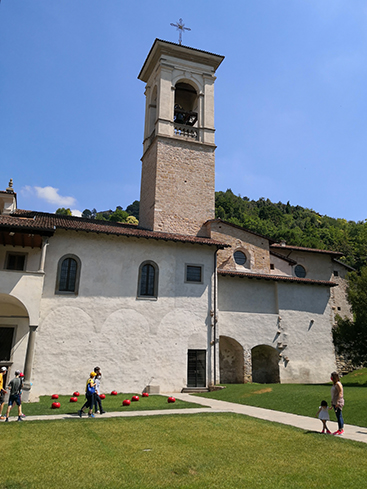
(73, 399)
(114, 393)
(54, 396)
(135, 398)
(145, 394)
(126, 402)
(76, 394)
(102, 396)
(171, 399)
(55, 405)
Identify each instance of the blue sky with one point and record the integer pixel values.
(291, 98)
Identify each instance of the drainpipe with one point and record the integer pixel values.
(276, 298)
(215, 319)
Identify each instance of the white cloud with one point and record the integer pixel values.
(76, 213)
(26, 190)
(50, 195)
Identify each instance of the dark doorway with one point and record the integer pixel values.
(231, 361)
(196, 368)
(6, 343)
(265, 365)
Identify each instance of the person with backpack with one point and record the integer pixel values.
(15, 387)
(90, 390)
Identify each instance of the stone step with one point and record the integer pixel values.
(193, 390)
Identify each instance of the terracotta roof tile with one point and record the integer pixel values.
(277, 278)
(279, 246)
(39, 221)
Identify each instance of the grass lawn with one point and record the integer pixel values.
(110, 404)
(188, 451)
(303, 399)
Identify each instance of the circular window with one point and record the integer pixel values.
(300, 271)
(239, 257)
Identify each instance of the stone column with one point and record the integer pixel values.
(29, 362)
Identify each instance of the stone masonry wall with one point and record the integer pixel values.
(255, 248)
(182, 173)
(147, 189)
(339, 301)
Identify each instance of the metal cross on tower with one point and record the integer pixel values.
(180, 26)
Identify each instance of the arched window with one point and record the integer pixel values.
(68, 273)
(148, 280)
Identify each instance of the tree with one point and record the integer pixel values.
(63, 212)
(87, 214)
(133, 209)
(119, 216)
(132, 220)
(350, 337)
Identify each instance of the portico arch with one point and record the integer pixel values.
(15, 327)
(14, 321)
(12, 307)
(265, 364)
(231, 361)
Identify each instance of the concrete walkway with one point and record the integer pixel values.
(355, 433)
(351, 432)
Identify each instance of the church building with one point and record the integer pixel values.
(181, 301)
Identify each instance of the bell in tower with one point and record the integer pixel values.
(178, 166)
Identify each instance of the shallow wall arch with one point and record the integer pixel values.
(231, 361)
(265, 365)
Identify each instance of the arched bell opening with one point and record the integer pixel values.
(186, 104)
(265, 365)
(231, 361)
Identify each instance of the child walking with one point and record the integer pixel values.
(323, 415)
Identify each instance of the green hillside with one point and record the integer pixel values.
(296, 225)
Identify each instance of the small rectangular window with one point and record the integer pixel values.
(336, 273)
(193, 273)
(271, 266)
(15, 261)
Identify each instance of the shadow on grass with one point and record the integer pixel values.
(313, 432)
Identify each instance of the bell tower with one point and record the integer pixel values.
(178, 165)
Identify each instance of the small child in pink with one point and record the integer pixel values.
(323, 415)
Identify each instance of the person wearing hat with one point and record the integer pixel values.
(15, 386)
(90, 390)
(2, 390)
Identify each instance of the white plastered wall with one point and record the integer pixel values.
(249, 312)
(136, 342)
